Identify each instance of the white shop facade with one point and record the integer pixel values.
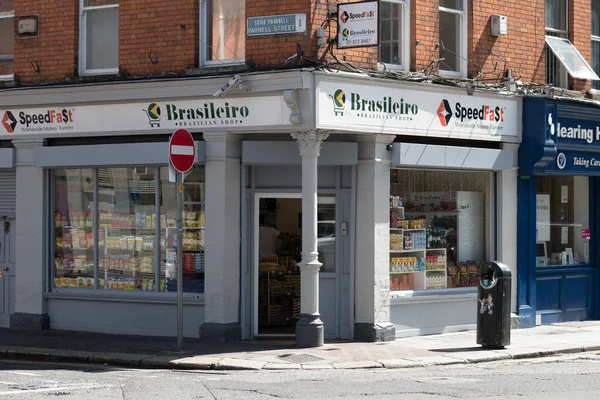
(321, 205)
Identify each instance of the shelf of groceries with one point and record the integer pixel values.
(418, 255)
(128, 251)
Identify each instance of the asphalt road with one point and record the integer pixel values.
(566, 377)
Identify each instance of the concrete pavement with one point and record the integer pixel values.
(422, 351)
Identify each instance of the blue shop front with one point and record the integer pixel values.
(558, 186)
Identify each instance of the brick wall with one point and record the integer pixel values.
(164, 32)
(580, 31)
(55, 51)
(163, 37)
(274, 50)
(522, 47)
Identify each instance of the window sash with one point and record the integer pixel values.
(83, 70)
(11, 56)
(401, 46)
(205, 47)
(461, 63)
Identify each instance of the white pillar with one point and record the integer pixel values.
(222, 238)
(30, 304)
(372, 272)
(507, 220)
(309, 328)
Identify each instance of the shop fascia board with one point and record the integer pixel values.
(156, 90)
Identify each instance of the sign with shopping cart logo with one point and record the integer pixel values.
(160, 116)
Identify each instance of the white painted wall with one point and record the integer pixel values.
(30, 232)
(372, 279)
(222, 223)
(507, 224)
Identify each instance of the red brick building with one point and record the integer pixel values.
(77, 39)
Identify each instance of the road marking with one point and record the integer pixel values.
(21, 373)
(53, 389)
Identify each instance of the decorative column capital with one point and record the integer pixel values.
(310, 142)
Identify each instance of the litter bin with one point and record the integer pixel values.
(493, 306)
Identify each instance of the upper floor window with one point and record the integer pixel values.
(453, 37)
(596, 41)
(99, 37)
(556, 25)
(394, 33)
(223, 32)
(7, 38)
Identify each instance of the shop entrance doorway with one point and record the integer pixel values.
(7, 269)
(278, 250)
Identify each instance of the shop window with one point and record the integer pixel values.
(7, 38)
(73, 228)
(556, 25)
(132, 246)
(439, 228)
(393, 33)
(99, 42)
(223, 32)
(452, 37)
(562, 221)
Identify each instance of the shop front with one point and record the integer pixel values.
(437, 193)
(558, 187)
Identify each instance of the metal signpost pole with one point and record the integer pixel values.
(179, 185)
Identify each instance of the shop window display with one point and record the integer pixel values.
(115, 230)
(562, 221)
(73, 228)
(438, 228)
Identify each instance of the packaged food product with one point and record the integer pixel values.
(139, 243)
(57, 282)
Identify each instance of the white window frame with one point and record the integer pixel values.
(562, 71)
(82, 41)
(595, 39)
(404, 39)
(462, 41)
(203, 32)
(8, 77)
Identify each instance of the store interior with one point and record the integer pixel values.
(280, 251)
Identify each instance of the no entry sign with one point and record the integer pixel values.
(182, 151)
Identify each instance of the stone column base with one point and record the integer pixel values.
(374, 332)
(213, 332)
(309, 331)
(29, 322)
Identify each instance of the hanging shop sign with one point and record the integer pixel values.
(143, 117)
(423, 113)
(357, 24)
(276, 24)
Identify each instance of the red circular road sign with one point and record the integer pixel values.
(182, 150)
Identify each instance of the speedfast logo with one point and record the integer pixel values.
(486, 112)
(346, 16)
(49, 117)
(9, 122)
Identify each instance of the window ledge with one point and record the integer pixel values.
(390, 67)
(212, 68)
(169, 298)
(433, 296)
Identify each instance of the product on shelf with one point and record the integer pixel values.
(396, 241)
(402, 282)
(414, 240)
(395, 201)
(435, 280)
(406, 264)
(396, 218)
(436, 262)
